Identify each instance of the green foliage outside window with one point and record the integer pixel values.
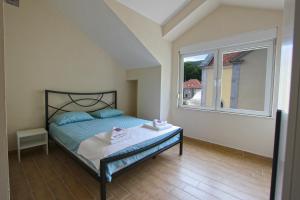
(192, 71)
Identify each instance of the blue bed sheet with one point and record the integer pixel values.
(71, 135)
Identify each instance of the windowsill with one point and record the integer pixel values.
(212, 110)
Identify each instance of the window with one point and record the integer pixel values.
(198, 80)
(235, 79)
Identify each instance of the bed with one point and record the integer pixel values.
(72, 136)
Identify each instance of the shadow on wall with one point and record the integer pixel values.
(133, 91)
(148, 82)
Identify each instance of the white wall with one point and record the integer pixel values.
(246, 133)
(148, 91)
(92, 16)
(43, 50)
(4, 179)
(150, 35)
(287, 182)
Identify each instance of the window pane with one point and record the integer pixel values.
(244, 79)
(198, 79)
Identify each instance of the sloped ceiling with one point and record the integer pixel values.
(180, 15)
(107, 31)
(160, 11)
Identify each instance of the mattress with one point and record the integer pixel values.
(71, 135)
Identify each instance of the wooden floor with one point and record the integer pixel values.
(204, 172)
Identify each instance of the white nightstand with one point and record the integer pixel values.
(31, 138)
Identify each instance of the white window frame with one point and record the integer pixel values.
(268, 102)
(243, 42)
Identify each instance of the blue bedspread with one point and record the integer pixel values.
(71, 135)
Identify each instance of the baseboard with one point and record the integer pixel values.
(225, 148)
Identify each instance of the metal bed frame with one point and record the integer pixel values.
(99, 100)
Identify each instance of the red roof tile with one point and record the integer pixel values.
(226, 58)
(192, 84)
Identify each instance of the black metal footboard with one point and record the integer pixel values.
(104, 162)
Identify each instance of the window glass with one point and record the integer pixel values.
(198, 79)
(243, 80)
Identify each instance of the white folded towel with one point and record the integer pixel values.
(157, 128)
(116, 135)
(159, 123)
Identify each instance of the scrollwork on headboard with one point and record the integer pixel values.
(73, 101)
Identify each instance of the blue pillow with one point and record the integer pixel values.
(71, 117)
(107, 112)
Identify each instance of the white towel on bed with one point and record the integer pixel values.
(159, 123)
(157, 128)
(115, 136)
(117, 133)
(95, 148)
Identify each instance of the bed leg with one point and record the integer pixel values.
(181, 143)
(102, 180)
(103, 189)
(180, 148)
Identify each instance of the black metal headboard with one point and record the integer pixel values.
(73, 101)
